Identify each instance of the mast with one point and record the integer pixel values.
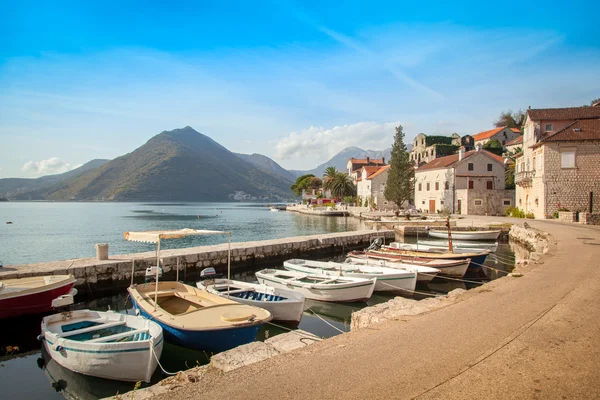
(157, 266)
(450, 248)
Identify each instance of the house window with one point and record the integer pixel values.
(478, 202)
(490, 185)
(447, 185)
(420, 187)
(520, 201)
(428, 186)
(423, 202)
(533, 164)
(437, 186)
(470, 184)
(548, 127)
(441, 201)
(470, 166)
(490, 167)
(568, 159)
(506, 202)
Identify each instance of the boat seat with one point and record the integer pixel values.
(117, 336)
(240, 291)
(90, 329)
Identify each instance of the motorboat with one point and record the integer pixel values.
(460, 245)
(466, 235)
(424, 274)
(388, 279)
(319, 287)
(104, 344)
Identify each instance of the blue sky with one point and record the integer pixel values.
(296, 81)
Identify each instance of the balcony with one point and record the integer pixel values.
(524, 178)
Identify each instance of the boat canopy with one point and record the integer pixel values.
(157, 236)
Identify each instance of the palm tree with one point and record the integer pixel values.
(328, 176)
(341, 185)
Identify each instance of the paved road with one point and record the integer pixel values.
(534, 337)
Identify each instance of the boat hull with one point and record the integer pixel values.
(477, 259)
(466, 235)
(32, 303)
(475, 246)
(424, 274)
(289, 310)
(213, 341)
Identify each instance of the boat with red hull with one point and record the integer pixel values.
(32, 295)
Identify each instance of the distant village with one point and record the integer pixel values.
(550, 164)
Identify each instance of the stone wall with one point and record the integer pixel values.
(115, 273)
(570, 187)
(589, 219)
(484, 201)
(567, 216)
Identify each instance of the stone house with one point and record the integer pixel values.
(465, 183)
(559, 166)
(514, 144)
(370, 186)
(354, 165)
(313, 194)
(427, 148)
(503, 134)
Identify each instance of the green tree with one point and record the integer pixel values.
(302, 183)
(494, 146)
(510, 119)
(400, 181)
(341, 185)
(328, 176)
(315, 183)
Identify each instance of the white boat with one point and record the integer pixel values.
(388, 279)
(439, 248)
(319, 287)
(104, 344)
(151, 272)
(472, 246)
(274, 209)
(466, 235)
(424, 274)
(284, 305)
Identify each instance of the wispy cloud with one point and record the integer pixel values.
(50, 166)
(317, 144)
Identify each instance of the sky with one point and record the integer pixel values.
(296, 81)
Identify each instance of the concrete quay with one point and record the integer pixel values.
(534, 336)
(322, 211)
(97, 276)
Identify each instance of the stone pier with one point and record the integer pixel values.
(113, 274)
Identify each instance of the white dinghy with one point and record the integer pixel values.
(442, 247)
(104, 344)
(458, 245)
(466, 235)
(283, 304)
(388, 279)
(319, 287)
(424, 273)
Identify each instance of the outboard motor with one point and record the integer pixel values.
(376, 244)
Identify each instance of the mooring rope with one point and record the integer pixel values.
(409, 290)
(294, 331)
(159, 364)
(494, 269)
(453, 279)
(318, 316)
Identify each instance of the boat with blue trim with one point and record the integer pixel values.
(104, 344)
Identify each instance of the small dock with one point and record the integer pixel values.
(106, 276)
(322, 211)
(413, 227)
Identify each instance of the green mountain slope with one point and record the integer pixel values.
(267, 165)
(182, 165)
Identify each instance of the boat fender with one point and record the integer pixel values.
(58, 348)
(137, 312)
(40, 337)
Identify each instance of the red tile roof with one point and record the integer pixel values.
(380, 171)
(585, 129)
(487, 134)
(515, 130)
(518, 140)
(564, 113)
(445, 162)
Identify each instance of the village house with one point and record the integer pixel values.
(427, 148)
(355, 165)
(503, 134)
(514, 145)
(470, 182)
(559, 166)
(370, 187)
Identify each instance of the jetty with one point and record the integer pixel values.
(321, 211)
(107, 274)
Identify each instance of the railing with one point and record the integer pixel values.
(524, 177)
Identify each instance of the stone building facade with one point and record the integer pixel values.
(503, 134)
(355, 165)
(464, 183)
(427, 148)
(370, 187)
(559, 167)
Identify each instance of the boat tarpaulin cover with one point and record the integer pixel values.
(156, 236)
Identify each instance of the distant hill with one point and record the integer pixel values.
(11, 187)
(181, 165)
(341, 159)
(267, 165)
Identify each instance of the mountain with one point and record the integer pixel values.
(180, 165)
(267, 165)
(340, 160)
(11, 187)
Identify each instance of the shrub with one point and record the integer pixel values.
(555, 214)
(515, 212)
(529, 215)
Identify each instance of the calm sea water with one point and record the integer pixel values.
(52, 231)
(45, 231)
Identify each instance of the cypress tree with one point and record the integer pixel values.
(400, 182)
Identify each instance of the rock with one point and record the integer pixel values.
(242, 355)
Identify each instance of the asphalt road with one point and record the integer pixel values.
(533, 337)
